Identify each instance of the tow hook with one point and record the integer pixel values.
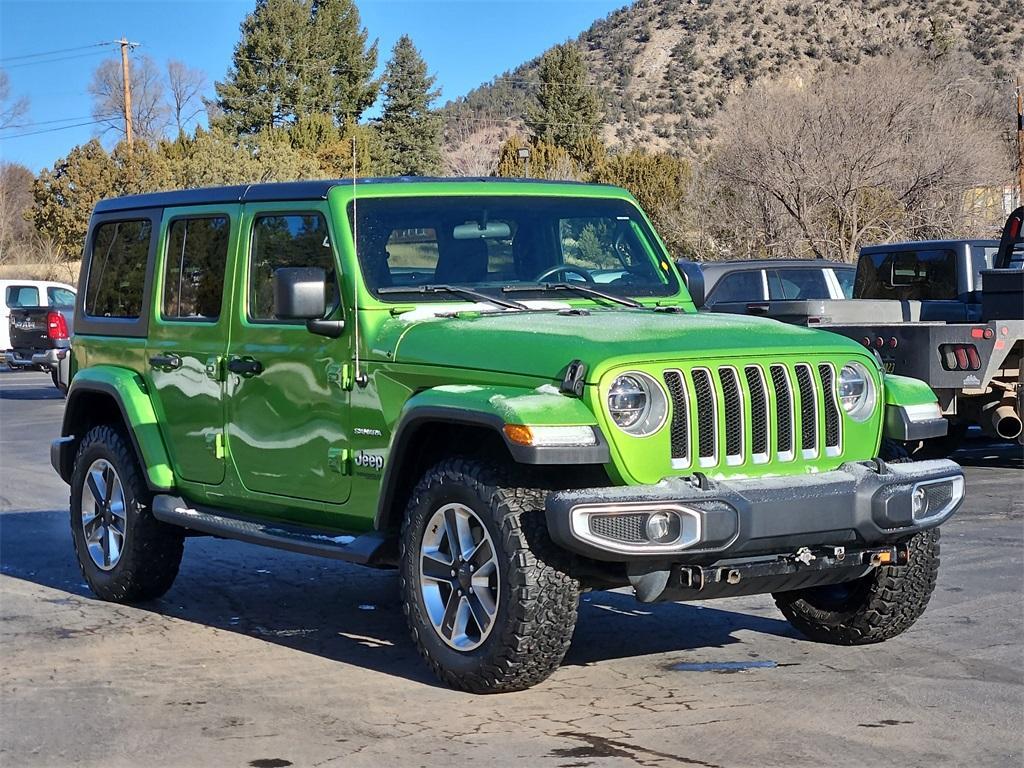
(902, 554)
(805, 556)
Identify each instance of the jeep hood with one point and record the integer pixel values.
(541, 344)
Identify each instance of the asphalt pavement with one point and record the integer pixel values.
(267, 659)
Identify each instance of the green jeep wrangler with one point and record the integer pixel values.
(501, 388)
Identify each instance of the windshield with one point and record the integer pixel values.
(492, 243)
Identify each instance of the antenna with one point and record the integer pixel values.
(360, 378)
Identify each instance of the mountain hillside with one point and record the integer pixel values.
(665, 67)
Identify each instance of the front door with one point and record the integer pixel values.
(188, 337)
(287, 425)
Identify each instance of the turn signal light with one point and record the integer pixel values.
(550, 437)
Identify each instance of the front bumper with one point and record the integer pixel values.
(859, 505)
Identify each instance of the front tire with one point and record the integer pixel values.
(874, 608)
(126, 555)
(504, 620)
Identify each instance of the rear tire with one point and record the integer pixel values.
(874, 608)
(126, 555)
(532, 602)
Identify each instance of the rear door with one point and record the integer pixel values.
(188, 336)
(288, 423)
(736, 291)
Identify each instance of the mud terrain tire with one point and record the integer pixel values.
(537, 602)
(876, 607)
(151, 552)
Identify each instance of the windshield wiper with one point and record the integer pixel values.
(457, 290)
(586, 290)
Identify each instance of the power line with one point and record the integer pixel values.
(61, 120)
(50, 53)
(54, 61)
(51, 130)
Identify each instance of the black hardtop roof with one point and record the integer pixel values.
(274, 192)
(912, 245)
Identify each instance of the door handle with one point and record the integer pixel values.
(168, 362)
(757, 309)
(245, 366)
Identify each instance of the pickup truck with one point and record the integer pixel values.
(41, 338)
(948, 312)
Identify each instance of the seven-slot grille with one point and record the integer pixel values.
(731, 415)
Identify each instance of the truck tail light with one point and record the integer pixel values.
(56, 326)
(960, 357)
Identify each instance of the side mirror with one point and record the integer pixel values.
(1013, 236)
(300, 293)
(693, 277)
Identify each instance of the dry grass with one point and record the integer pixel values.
(64, 272)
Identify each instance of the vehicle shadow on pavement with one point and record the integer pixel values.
(347, 613)
(31, 393)
(983, 452)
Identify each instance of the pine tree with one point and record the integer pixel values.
(66, 194)
(568, 111)
(265, 86)
(410, 130)
(297, 58)
(337, 38)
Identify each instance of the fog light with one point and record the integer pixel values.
(662, 527)
(919, 503)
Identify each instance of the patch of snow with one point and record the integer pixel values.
(548, 389)
(336, 539)
(458, 389)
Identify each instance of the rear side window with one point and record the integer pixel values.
(287, 240)
(197, 250)
(60, 297)
(912, 275)
(117, 270)
(797, 284)
(22, 296)
(738, 286)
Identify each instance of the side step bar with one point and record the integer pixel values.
(365, 549)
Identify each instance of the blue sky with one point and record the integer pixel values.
(465, 43)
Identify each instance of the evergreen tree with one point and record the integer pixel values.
(66, 194)
(410, 130)
(344, 87)
(296, 58)
(568, 111)
(546, 161)
(265, 84)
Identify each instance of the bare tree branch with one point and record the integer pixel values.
(186, 86)
(150, 113)
(890, 149)
(10, 112)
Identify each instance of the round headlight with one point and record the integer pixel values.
(637, 404)
(856, 391)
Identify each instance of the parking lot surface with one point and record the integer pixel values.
(267, 659)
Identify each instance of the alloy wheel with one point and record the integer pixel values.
(104, 515)
(459, 578)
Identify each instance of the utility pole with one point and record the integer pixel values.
(126, 79)
(1020, 140)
